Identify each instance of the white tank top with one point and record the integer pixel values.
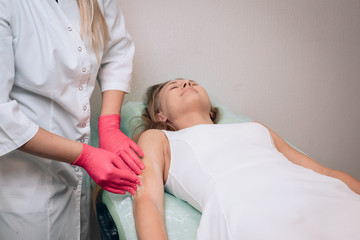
(246, 189)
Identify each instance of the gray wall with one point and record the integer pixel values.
(293, 65)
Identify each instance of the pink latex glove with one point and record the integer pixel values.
(107, 170)
(113, 140)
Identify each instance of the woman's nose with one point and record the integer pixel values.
(186, 84)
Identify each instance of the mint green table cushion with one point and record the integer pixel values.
(181, 219)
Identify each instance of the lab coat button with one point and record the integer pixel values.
(80, 88)
(84, 69)
(69, 29)
(84, 108)
(84, 125)
(75, 188)
(79, 49)
(82, 140)
(76, 169)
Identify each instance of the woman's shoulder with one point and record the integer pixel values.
(152, 136)
(154, 145)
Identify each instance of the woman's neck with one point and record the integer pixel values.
(190, 120)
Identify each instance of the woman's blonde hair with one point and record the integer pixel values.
(152, 108)
(93, 25)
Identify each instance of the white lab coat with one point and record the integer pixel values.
(47, 75)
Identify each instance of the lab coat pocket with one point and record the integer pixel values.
(64, 175)
(23, 183)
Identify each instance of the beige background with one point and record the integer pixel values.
(293, 65)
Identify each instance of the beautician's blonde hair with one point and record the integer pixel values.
(93, 25)
(152, 108)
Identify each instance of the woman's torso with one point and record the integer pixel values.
(244, 187)
(213, 151)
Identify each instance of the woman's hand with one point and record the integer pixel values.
(107, 170)
(113, 140)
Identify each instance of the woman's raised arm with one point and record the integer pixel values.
(148, 202)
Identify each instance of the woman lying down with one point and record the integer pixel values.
(247, 182)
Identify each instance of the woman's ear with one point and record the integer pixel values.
(211, 115)
(161, 117)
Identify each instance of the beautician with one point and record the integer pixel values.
(51, 54)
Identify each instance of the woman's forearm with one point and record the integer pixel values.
(149, 220)
(305, 161)
(350, 181)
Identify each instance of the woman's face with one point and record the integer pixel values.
(180, 97)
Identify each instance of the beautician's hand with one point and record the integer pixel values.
(113, 140)
(107, 170)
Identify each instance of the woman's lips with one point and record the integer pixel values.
(187, 90)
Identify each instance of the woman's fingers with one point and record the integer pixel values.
(117, 191)
(113, 190)
(136, 148)
(128, 158)
(132, 191)
(135, 159)
(122, 172)
(120, 187)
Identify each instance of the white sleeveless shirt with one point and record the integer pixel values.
(246, 189)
